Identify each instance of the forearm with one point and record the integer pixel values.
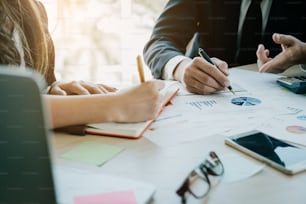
(136, 104)
(75, 110)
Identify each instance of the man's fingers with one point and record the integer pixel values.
(222, 65)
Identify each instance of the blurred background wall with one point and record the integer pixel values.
(98, 40)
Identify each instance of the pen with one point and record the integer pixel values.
(140, 69)
(204, 55)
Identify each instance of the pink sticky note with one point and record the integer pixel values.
(107, 198)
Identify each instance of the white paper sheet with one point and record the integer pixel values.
(73, 182)
(192, 117)
(238, 168)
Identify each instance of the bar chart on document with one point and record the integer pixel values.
(201, 104)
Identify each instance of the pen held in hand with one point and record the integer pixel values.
(140, 69)
(204, 55)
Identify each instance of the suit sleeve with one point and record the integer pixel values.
(172, 32)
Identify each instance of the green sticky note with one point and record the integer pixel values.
(92, 153)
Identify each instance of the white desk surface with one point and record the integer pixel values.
(166, 167)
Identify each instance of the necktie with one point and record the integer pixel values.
(251, 34)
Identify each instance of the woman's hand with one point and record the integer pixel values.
(140, 103)
(79, 88)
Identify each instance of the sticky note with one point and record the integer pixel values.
(92, 153)
(107, 198)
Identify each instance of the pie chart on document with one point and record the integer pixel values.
(245, 101)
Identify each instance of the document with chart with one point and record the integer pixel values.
(223, 112)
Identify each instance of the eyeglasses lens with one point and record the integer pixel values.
(198, 184)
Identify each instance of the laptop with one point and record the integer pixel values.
(27, 174)
(25, 170)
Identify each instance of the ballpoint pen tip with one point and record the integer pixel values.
(231, 90)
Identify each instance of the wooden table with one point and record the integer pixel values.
(166, 167)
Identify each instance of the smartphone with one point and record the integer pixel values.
(279, 154)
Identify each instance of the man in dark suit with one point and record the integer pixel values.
(218, 27)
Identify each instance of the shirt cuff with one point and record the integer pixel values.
(170, 67)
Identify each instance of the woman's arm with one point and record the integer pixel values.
(140, 103)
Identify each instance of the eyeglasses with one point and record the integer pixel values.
(197, 182)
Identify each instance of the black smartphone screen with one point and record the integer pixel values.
(273, 149)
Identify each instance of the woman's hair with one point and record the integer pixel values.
(28, 19)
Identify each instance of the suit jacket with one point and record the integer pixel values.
(216, 22)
